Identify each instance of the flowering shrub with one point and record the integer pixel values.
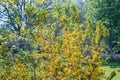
(75, 54)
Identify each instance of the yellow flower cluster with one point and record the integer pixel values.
(16, 72)
(66, 55)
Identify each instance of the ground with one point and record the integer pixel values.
(113, 66)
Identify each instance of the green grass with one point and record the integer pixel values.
(109, 67)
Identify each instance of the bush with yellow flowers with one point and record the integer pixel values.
(72, 52)
(75, 54)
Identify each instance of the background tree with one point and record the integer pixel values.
(107, 11)
(14, 12)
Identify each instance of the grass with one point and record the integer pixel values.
(110, 66)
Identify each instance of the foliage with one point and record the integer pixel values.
(108, 12)
(14, 14)
(74, 53)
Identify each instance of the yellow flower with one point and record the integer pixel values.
(65, 69)
(95, 56)
(87, 73)
(60, 73)
(107, 58)
(63, 19)
(99, 63)
(17, 60)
